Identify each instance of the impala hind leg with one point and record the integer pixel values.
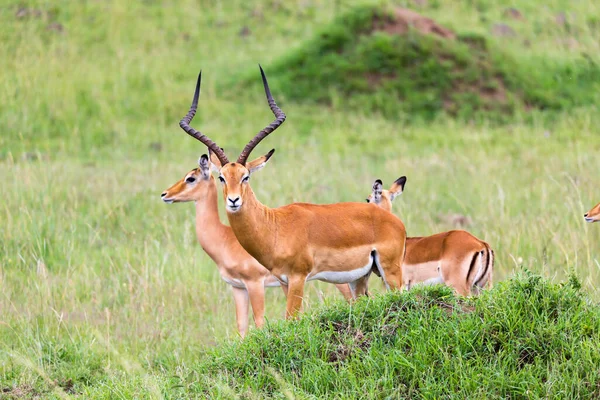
(240, 295)
(360, 287)
(455, 273)
(390, 269)
(295, 296)
(256, 292)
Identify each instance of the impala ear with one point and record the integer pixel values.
(377, 190)
(204, 166)
(215, 164)
(260, 162)
(397, 187)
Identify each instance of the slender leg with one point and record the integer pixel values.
(388, 261)
(344, 288)
(295, 295)
(285, 292)
(361, 286)
(256, 291)
(393, 274)
(352, 286)
(241, 309)
(285, 289)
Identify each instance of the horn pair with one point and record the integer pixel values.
(279, 119)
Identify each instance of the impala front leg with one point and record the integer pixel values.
(345, 290)
(240, 295)
(294, 296)
(256, 291)
(284, 288)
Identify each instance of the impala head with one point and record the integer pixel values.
(593, 215)
(383, 198)
(235, 176)
(235, 179)
(193, 186)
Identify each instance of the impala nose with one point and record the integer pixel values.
(233, 201)
(163, 194)
(585, 215)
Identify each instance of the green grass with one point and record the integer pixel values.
(105, 292)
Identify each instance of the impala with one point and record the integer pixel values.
(337, 243)
(245, 275)
(593, 215)
(455, 258)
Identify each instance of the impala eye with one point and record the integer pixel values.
(246, 179)
(221, 179)
(190, 179)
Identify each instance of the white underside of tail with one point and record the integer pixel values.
(480, 269)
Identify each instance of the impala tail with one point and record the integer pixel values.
(485, 270)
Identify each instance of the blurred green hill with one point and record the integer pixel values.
(397, 62)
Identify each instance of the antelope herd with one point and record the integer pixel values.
(341, 243)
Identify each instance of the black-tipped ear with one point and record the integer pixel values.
(377, 191)
(204, 165)
(269, 154)
(215, 163)
(377, 185)
(401, 182)
(203, 161)
(397, 187)
(260, 162)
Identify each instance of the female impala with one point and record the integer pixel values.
(245, 275)
(337, 243)
(593, 215)
(456, 258)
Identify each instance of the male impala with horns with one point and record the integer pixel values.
(337, 243)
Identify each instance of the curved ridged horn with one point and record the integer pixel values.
(185, 125)
(279, 119)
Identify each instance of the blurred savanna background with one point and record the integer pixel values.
(490, 108)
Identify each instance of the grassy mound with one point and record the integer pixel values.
(525, 338)
(397, 62)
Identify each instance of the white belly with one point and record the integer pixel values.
(342, 276)
(433, 281)
(272, 283)
(237, 283)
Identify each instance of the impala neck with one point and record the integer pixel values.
(209, 228)
(255, 227)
